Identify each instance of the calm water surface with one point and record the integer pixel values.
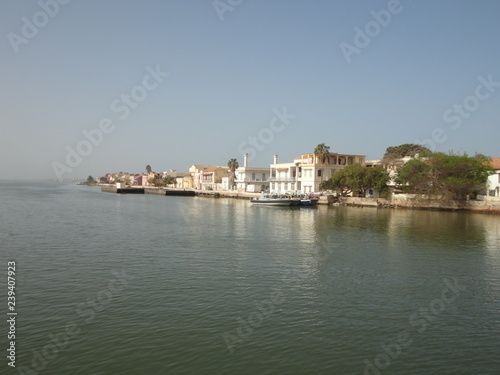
(139, 284)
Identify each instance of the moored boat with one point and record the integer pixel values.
(275, 200)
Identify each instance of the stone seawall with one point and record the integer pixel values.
(415, 201)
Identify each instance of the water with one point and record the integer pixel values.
(140, 284)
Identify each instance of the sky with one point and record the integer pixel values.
(91, 87)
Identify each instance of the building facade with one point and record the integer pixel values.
(306, 173)
(493, 189)
(250, 179)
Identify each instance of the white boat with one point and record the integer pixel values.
(275, 200)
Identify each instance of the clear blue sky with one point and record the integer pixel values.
(227, 76)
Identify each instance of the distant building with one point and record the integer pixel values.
(208, 177)
(494, 179)
(250, 179)
(184, 181)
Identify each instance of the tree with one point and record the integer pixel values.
(168, 180)
(407, 149)
(356, 178)
(233, 165)
(152, 181)
(322, 152)
(148, 169)
(90, 180)
(455, 176)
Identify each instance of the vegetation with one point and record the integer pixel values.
(91, 181)
(233, 165)
(168, 180)
(357, 179)
(148, 169)
(322, 152)
(407, 149)
(455, 176)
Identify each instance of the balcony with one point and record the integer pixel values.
(282, 179)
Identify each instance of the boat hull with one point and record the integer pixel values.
(275, 202)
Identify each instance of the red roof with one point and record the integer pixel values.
(282, 169)
(495, 163)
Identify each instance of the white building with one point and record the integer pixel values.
(493, 189)
(251, 179)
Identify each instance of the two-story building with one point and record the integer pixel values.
(250, 179)
(307, 172)
(208, 177)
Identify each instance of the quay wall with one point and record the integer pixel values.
(415, 201)
(410, 201)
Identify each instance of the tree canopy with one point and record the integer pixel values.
(455, 176)
(168, 180)
(357, 178)
(407, 149)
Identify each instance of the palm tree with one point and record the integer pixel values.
(322, 152)
(148, 169)
(233, 164)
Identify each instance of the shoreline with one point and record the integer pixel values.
(401, 201)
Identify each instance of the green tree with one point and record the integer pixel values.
(407, 149)
(90, 180)
(148, 169)
(357, 179)
(168, 180)
(233, 165)
(455, 176)
(322, 152)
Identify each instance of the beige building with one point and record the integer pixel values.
(184, 181)
(208, 177)
(306, 173)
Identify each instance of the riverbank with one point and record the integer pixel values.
(421, 202)
(407, 201)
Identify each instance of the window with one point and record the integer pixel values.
(319, 172)
(263, 177)
(253, 176)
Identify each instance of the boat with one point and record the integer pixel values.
(308, 201)
(305, 199)
(275, 200)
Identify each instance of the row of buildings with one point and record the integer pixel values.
(304, 174)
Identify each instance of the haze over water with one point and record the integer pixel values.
(157, 285)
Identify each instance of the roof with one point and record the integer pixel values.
(212, 169)
(282, 169)
(495, 163)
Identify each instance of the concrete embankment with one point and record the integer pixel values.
(414, 201)
(178, 192)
